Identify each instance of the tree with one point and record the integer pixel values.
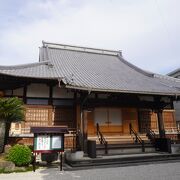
(11, 110)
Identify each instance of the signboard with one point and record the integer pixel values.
(49, 142)
(56, 142)
(43, 142)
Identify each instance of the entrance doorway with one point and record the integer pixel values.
(109, 120)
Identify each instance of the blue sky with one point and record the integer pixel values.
(147, 31)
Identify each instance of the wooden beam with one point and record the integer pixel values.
(91, 103)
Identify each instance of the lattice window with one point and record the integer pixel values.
(144, 120)
(169, 121)
(64, 116)
(37, 116)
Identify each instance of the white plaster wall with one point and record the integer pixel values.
(62, 93)
(18, 92)
(38, 90)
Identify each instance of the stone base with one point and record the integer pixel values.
(7, 166)
(175, 148)
(73, 156)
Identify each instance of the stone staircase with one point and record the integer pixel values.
(118, 139)
(122, 144)
(122, 160)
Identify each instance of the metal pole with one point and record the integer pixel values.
(34, 162)
(60, 161)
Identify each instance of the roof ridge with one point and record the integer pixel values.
(81, 48)
(23, 65)
(167, 77)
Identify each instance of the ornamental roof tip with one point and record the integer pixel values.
(49, 64)
(174, 72)
(69, 80)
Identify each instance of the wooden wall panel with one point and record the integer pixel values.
(154, 121)
(108, 125)
(168, 117)
(64, 116)
(91, 128)
(169, 120)
(129, 115)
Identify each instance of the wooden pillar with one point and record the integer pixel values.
(172, 103)
(78, 117)
(82, 137)
(160, 123)
(82, 126)
(25, 94)
(50, 100)
(75, 111)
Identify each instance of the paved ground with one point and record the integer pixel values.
(168, 171)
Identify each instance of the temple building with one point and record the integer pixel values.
(90, 90)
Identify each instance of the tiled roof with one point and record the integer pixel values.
(95, 70)
(42, 70)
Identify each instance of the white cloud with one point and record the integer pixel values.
(146, 31)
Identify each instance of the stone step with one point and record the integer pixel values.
(118, 136)
(129, 148)
(122, 160)
(118, 139)
(128, 145)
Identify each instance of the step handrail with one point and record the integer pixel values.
(101, 138)
(151, 135)
(137, 137)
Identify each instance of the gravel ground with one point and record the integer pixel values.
(168, 171)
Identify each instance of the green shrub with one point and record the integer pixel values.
(20, 155)
(31, 147)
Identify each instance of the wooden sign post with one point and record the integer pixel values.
(49, 140)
